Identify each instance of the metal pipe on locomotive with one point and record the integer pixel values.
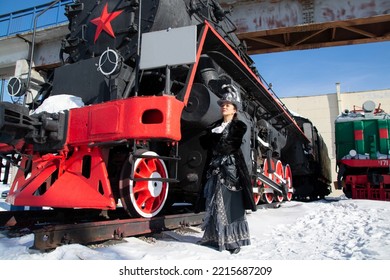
(149, 74)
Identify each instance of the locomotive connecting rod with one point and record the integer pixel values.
(265, 180)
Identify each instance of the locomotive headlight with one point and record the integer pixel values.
(352, 153)
(16, 86)
(109, 62)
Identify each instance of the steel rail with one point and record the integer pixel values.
(52, 236)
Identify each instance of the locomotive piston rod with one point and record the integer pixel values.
(279, 188)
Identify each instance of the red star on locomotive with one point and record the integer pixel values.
(104, 22)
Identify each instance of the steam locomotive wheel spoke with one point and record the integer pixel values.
(256, 198)
(288, 178)
(279, 174)
(268, 195)
(144, 198)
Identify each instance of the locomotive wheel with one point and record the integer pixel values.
(280, 173)
(268, 197)
(143, 198)
(256, 198)
(288, 178)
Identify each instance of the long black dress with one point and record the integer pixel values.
(225, 225)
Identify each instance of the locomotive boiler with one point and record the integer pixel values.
(363, 152)
(142, 79)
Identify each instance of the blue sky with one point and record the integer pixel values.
(306, 72)
(360, 67)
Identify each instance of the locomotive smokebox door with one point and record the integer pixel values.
(174, 46)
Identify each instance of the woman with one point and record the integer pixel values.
(225, 225)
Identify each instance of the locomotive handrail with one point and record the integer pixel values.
(32, 46)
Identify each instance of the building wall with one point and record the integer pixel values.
(323, 110)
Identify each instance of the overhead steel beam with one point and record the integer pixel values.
(282, 25)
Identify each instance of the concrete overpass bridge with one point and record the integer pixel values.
(266, 26)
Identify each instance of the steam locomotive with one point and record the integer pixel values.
(141, 80)
(363, 152)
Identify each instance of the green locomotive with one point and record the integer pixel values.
(363, 152)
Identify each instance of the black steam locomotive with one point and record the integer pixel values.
(142, 79)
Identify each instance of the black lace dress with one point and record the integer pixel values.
(225, 225)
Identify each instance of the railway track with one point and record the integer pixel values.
(53, 228)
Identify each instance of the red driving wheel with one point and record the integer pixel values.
(144, 197)
(268, 195)
(288, 178)
(279, 176)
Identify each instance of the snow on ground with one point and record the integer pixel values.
(331, 229)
